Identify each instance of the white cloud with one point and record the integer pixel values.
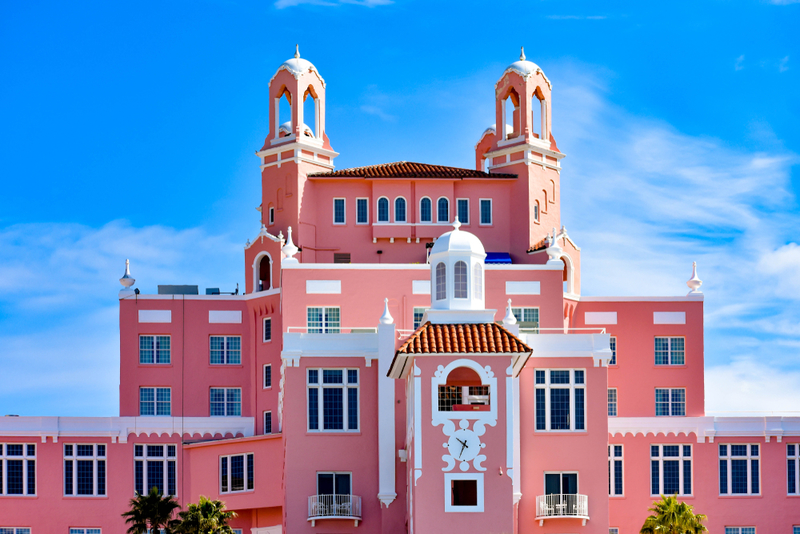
(577, 17)
(784, 2)
(739, 65)
(280, 4)
(783, 64)
(751, 386)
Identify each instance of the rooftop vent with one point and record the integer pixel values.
(177, 290)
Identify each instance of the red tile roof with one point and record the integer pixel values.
(484, 338)
(408, 169)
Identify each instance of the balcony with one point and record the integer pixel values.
(334, 507)
(562, 506)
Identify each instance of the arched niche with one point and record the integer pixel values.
(262, 272)
(466, 374)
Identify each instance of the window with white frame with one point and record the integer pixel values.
(323, 320)
(418, 314)
(793, 469)
(527, 318)
(613, 530)
(796, 529)
(15, 530)
(267, 422)
(560, 399)
(671, 401)
(85, 469)
(536, 211)
(332, 399)
(561, 483)
(739, 469)
(17, 469)
(464, 492)
(400, 210)
(338, 211)
(425, 210)
(155, 401)
(477, 281)
(225, 402)
(615, 470)
(443, 210)
(155, 466)
(613, 345)
(266, 329)
(460, 282)
(271, 215)
(334, 483)
(670, 351)
(236, 473)
(670, 470)
(78, 531)
(268, 376)
(154, 349)
(441, 281)
(612, 402)
(383, 209)
(486, 211)
(462, 207)
(225, 350)
(362, 211)
(742, 530)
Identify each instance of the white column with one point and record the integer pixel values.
(386, 410)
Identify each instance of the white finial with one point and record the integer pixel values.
(386, 318)
(554, 250)
(522, 53)
(694, 282)
(297, 51)
(127, 280)
(456, 223)
(280, 235)
(289, 249)
(509, 319)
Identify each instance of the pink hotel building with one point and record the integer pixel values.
(414, 356)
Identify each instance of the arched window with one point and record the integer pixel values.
(399, 209)
(477, 281)
(443, 210)
(441, 281)
(544, 207)
(383, 209)
(536, 211)
(425, 210)
(460, 280)
(264, 274)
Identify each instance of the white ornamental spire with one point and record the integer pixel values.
(694, 282)
(509, 319)
(289, 249)
(522, 53)
(127, 280)
(386, 318)
(456, 224)
(296, 51)
(554, 250)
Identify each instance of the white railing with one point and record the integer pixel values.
(562, 505)
(561, 330)
(333, 330)
(334, 506)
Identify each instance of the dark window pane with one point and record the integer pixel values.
(352, 376)
(579, 377)
(268, 376)
(559, 409)
(101, 477)
(671, 450)
(250, 472)
(654, 450)
(687, 477)
(540, 377)
(723, 477)
(540, 410)
(559, 377)
(155, 476)
(325, 484)
(352, 408)
(342, 484)
(552, 483)
(754, 476)
(171, 479)
(687, 451)
(138, 450)
(617, 477)
(579, 409)
(13, 450)
(790, 473)
(224, 473)
(333, 409)
(32, 450)
(671, 477)
(85, 450)
(101, 450)
(313, 409)
(139, 470)
(68, 477)
(171, 451)
(312, 376)
(155, 450)
(723, 450)
(237, 473)
(14, 477)
(738, 450)
(331, 376)
(85, 477)
(738, 476)
(31, 477)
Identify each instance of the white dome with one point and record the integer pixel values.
(298, 66)
(458, 241)
(525, 67)
(286, 128)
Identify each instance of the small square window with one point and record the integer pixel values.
(465, 492)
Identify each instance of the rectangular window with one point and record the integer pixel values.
(615, 470)
(613, 345)
(268, 376)
(741, 530)
(739, 469)
(332, 399)
(670, 470)
(527, 318)
(463, 210)
(559, 401)
(267, 329)
(793, 469)
(267, 422)
(76, 531)
(418, 313)
(154, 349)
(84, 469)
(271, 215)
(17, 469)
(155, 401)
(671, 402)
(323, 320)
(16, 530)
(613, 530)
(450, 396)
(463, 492)
(236, 473)
(362, 211)
(486, 211)
(225, 350)
(155, 466)
(341, 257)
(670, 351)
(338, 211)
(612, 402)
(226, 402)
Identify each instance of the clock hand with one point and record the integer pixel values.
(463, 444)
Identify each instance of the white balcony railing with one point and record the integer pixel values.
(334, 507)
(556, 505)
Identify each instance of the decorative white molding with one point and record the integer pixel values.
(523, 288)
(323, 287)
(421, 287)
(417, 381)
(688, 298)
(669, 317)
(448, 484)
(296, 345)
(600, 318)
(249, 296)
(707, 427)
(224, 316)
(595, 346)
(155, 316)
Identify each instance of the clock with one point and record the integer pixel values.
(464, 445)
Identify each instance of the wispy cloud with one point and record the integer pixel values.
(739, 64)
(783, 2)
(783, 64)
(577, 17)
(375, 102)
(280, 4)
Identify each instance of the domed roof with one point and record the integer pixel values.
(493, 129)
(526, 68)
(297, 66)
(458, 241)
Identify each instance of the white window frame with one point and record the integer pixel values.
(156, 402)
(438, 220)
(326, 328)
(458, 210)
(673, 404)
(670, 352)
(741, 530)
(345, 386)
(264, 421)
(264, 384)
(572, 386)
(25, 458)
(156, 349)
(96, 458)
(85, 530)
(165, 458)
(520, 313)
(432, 210)
(448, 492)
(613, 530)
(226, 350)
(344, 211)
(728, 458)
(246, 462)
(271, 212)
(794, 458)
(421, 311)
(378, 210)
(264, 322)
(480, 212)
(366, 204)
(226, 403)
(612, 469)
(394, 209)
(536, 212)
(681, 458)
(613, 345)
(17, 530)
(612, 392)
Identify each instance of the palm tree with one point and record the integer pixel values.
(151, 513)
(205, 517)
(672, 517)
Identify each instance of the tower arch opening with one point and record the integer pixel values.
(311, 113)
(511, 114)
(464, 390)
(283, 113)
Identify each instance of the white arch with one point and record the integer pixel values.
(256, 264)
(448, 209)
(378, 209)
(487, 379)
(570, 272)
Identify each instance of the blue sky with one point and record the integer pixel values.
(128, 130)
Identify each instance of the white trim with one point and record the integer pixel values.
(264, 330)
(224, 316)
(271, 215)
(394, 210)
(612, 468)
(277, 529)
(669, 317)
(600, 318)
(249, 296)
(572, 386)
(366, 200)
(692, 298)
(421, 287)
(344, 211)
(323, 287)
(448, 478)
(523, 288)
(155, 316)
(480, 212)
(380, 266)
(378, 209)
(256, 268)
(487, 377)
(707, 427)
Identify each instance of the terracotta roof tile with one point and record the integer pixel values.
(483, 338)
(408, 169)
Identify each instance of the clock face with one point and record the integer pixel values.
(464, 445)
